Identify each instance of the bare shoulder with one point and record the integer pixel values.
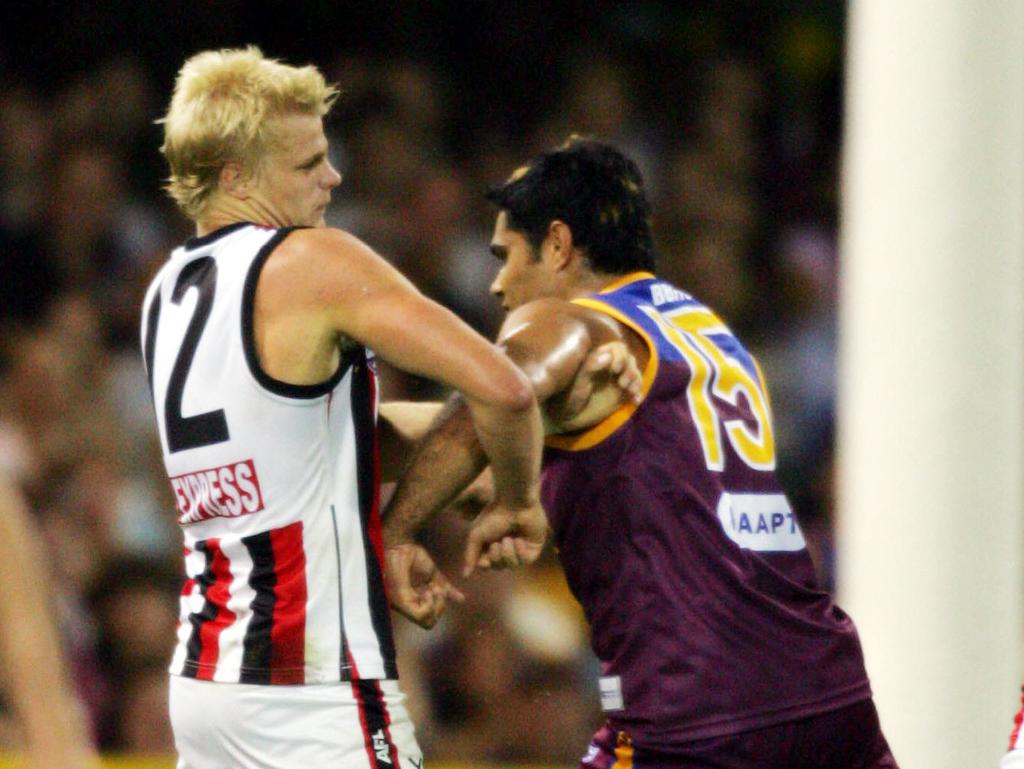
(326, 248)
(324, 265)
(560, 314)
(546, 318)
(551, 337)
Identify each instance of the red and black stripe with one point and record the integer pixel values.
(288, 633)
(376, 724)
(274, 644)
(217, 595)
(256, 651)
(364, 394)
(203, 581)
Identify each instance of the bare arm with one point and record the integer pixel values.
(443, 464)
(608, 376)
(570, 392)
(451, 449)
(548, 340)
(341, 286)
(31, 658)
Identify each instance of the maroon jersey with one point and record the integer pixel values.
(682, 548)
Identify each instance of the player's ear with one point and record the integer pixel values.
(235, 180)
(559, 244)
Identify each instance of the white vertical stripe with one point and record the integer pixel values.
(403, 734)
(240, 598)
(323, 607)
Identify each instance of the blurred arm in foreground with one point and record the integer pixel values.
(31, 659)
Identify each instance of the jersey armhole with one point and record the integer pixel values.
(269, 383)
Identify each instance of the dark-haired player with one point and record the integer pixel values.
(717, 647)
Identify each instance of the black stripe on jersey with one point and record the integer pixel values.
(149, 344)
(363, 420)
(197, 620)
(194, 243)
(257, 647)
(275, 386)
(345, 669)
(377, 724)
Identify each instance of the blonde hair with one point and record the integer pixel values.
(219, 113)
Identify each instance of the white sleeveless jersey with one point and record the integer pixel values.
(276, 485)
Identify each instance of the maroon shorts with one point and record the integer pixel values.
(848, 738)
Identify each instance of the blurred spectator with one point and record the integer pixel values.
(31, 278)
(799, 358)
(504, 675)
(133, 600)
(597, 99)
(141, 724)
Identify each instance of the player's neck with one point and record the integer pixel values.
(588, 282)
(224, 211)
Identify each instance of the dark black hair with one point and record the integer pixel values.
(597, 191)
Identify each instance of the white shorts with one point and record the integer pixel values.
(358, 725)
(1013, 760)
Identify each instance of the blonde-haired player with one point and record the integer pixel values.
(259, 336)
(231, 112)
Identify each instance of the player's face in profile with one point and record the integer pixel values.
(522, 276)
(297, 178)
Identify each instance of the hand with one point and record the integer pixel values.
(607, 374)
(612, 359)
(621, 363)
(416, 587)
(503, 537)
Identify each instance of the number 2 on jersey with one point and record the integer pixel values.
(705, 343)
(202, 429)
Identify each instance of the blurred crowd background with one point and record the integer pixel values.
(731, 109)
